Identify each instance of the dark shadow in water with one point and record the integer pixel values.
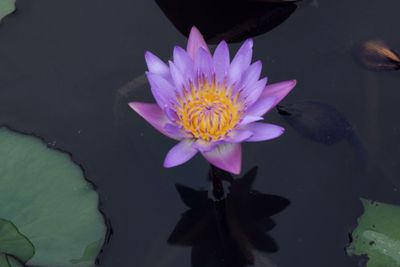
(230, 232)
(229, 20)
(322, 123)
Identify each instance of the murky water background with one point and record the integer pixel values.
(62, 67)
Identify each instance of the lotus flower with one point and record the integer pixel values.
(209, 103)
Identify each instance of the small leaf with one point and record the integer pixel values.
(377, 56)
(12, 242)
(377, 235)
(6, 7)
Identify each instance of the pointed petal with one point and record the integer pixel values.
(183, 62)
(154, 115)
(253, 92)
(163, 91)
(263, 131)
(180, 153)
(204, 63)
(174, 130)
(227, 157)
(240, 62)
(249, 119)
(272, 92)
(261, 106)
(238, 136)
(221, 61)
(195, 41)
(251, 75)
(178, 78)
(204, 146)
(156, 65)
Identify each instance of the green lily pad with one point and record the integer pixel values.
(9, 261)
(46, 197)
(14, 243)
(6, 7)
(377, 235)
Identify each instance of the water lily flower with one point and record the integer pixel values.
(209, 103)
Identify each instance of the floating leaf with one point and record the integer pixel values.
(6, 7)
(241, 20)
(44, 194)
(377, 235)
(12, 242)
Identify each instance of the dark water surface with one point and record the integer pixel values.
(62, 67)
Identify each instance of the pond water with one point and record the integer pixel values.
(63, 70)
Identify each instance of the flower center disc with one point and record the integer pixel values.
(208, 112)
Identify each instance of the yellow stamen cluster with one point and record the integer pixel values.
(209, 112)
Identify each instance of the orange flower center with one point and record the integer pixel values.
(209, 112)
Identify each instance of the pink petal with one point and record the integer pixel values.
(180, 153)
(227, 157)
(273, 92)
(195, 41)
(156, 65)
(154, 115)
(221, 61)
(263, 131)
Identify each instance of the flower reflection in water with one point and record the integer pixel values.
(232, 231)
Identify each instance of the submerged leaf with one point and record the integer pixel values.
(6, 7)
(376, 55)
(45, 195)
(12, 242)
(317, 121)
(377, 235)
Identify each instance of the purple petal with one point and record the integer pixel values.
(203, 63)
(178, 78)
(184, 62)
(154, 115)
(261, 106)
(174, 130)
(204, 146)
(171, 114)
(156, 65)
(180, 153)
(273, 92)
(163, 91)
(252, 92)
(263, 131)
(238, 136)
(249, 119)
(221, 61)
(240, 62)
(227, 157)
(195, 41)
(251, 75)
